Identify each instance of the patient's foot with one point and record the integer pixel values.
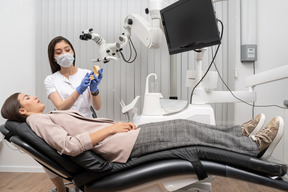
(269, 137)
(253, 126)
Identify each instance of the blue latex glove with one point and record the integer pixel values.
(84, 83)
(95, 82)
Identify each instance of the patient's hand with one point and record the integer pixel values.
(122, 127)
(119, 127)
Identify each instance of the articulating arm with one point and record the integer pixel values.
(149, 34)
(107, 51)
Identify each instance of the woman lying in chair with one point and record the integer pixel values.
(70, 133)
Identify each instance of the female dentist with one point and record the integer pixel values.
(67, 86)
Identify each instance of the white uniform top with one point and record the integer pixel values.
(65, 87)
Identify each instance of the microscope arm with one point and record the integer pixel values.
(107, 51)
(150, 34)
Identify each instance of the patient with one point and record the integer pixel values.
(71, 133)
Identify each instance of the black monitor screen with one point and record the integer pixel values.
(190, 25)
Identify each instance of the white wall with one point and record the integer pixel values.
(17, 53)
(272, 30)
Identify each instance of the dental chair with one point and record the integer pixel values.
(182, 169)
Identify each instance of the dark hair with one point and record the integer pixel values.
(53, 64)
(10, 109)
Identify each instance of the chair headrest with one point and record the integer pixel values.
(5, 132)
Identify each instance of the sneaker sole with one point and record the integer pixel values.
(275, 142)
(259, 125)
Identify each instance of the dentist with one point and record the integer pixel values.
(70, 87)
(67, 87)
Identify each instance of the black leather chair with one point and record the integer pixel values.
(179, 169)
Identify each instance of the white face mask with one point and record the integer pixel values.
(65, 60)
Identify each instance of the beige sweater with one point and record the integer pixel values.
(68, 132)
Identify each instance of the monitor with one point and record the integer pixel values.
(190, 25)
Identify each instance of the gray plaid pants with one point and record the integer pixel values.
(181, 132)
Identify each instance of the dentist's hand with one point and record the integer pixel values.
(95, 82)
(84, 83)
